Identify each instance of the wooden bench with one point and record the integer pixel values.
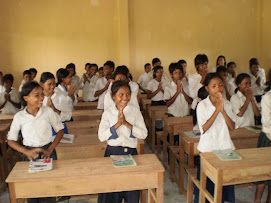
(86, 105)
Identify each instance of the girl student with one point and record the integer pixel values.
(220, 61)
(75, 80)
(215, 118)
(243, 102)
(121, 125)
(35, 123)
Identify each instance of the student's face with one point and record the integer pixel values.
(203, 68)
(221, 61)
(157, 64)
(177, 75)
(101, 73)
(214, 87)
(71, 71)
(122, 97)
(87, 68)
(148, 69)
(254, 70)
(159, 74)
(67, 80)
(8, 85)
(49, 85)
(223, 75)
(33, 75)
(35, 98)
(184, 65)
(92, 70)
(107, 70)
(120, 77)
(27, 78)
(244, 85)
(231, 68)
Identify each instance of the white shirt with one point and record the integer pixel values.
(257, 90)
(100, 84)
(179, 107)
(142, 80)
(76, 82)
(153, 86)
(237, 101)
(110, 118)
(150, 77)
(261, 73)
(2, 88)
(231, 86)
(266, 113)
(21, 85)
(9, 108)
(36, 131)
(88, 88)
(194, 86)
(214, 69)
(217, 137)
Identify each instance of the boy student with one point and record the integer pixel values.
(33, 72)
(156, 62)
(184, 65)
(26, 78)
(142, 80)
(222, 71)
(196, 80)
(103, 83)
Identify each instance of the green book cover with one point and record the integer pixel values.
(227, 155)
(123, 160)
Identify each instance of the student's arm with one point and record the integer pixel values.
(17, 105)
(228, 120)
(170, 101)
(101, 91)
(2, 105)
(245, 105)
(106, 131)
(151, 94)
(187, 98)
(255, 107)
(47, 152)
(31, 154)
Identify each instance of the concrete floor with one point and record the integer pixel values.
(171, 193)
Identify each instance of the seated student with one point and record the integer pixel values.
(10, 100)
(231, 77)
(101, 72)
(215, 118)
(89, 81)
(155, 88)
(220, 61)
(243, 102)
(26, 78)
(1, 82)
(261, 72)
(196, 80)
(33, 72)
(142, 80)
(121, 125)
(222, 71)
(75, 80)
(265, 141)
(103, 83)
(35, 123)
(156, 62)
(176, 94)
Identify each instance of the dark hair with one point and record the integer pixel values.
(8, 77)
(221, 56)
(155, 69)
(253, 61)
(181, 61)
(202, 94)
(26, 72)
(200, 59)
(239, 79)
(117, 85)
(231, 63)
(27, 88)
(173, 66)
(87, 64)
(116, 73)
(221, 69)
(46, 76)
(211, 76)
(147, 64)
(33, 70)
(101, 68)
(94, 65)
(61, 74)
(155, 60)
(111, 64)
(123, 69)
(130, 77)
(1, 73)
(71, 65)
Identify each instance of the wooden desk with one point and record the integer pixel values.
(86, 105)
(76, 125)
(254, 166)
(80, 115)
(6, 118)
(145, 104)
(87, 176)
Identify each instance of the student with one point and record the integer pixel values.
(142, 80)
(222, 71)
(184, 65)
(231, 69)
(265, 141)
(35, 123)
(156, 62)
(220, 61)
(101, 72)
(121, 125)
(196, 80)
(103, 83)
(10, 100)
(87, 67)
(155, 88)
(215, 118)
(261, 72)
(243, 102)
(26, 78)
(176, 95)
(75, 80)
(89, 81)
(33, 72)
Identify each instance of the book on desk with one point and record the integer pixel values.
(227, 155)
(123, 160)
(67, 138)
(40, 165)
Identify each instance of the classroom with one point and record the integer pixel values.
(177, 90)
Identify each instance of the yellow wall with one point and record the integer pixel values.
(49, 34)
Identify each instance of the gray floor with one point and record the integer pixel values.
(171, 193)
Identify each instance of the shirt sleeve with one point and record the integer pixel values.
(55, 120)
(150, 86)
(194, 86)
(15, 128)
(167, 94)
(139, 129)
(229, 111)
(62, 104)
(140, 81)
(104, 132)
(235, 103)
(266, 110)
(98, 85)
(201, 116)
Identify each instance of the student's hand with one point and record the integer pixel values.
(160, 86)
(220, 100)
(50, 103)
(85, 78)
(258, 81)
(249, 93)
(107, 84)
(46, 153)
(33, 153)
(179, 86)
(71, 90)
(7, 97)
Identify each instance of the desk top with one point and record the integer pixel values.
(83, 124)
(178, 120)
(6, 118)
(88, 112)
(86, 105)
(80, 168)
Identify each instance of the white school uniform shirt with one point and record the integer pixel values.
(237, 101)
(21, 85)
(2, 88)
(76, 82)
(266, 114)
(150, 77)
(15, 97)
(231, 86)
(36, 130)
(153, 86)
(142, 80)
(194, 86)
(100, 84)
(110, 118)
(257, 90)
(217, 137)
(179, 107)
(89, 88)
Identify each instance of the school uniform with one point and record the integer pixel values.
(231, 86)
(9, 108)
(2, 88)
(76, 83)
(237, 101)
(214, 69)
(158, 99)
(142, 80)
(100, 84)
(21, 85)
(121, 141)
(257, 90)
(150, 77)
(194, 86)
(88, 88)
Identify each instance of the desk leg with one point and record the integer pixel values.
(160, 188)
(181, 171)
(143, 196)
(153, 135)
(203, 181)
(218, 188)
(172, 166)
(4, 158)
(12, 194)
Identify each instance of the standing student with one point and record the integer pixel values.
(220, 61)
(121, 125)
(156, 62)
(215, 118)
(231, 77)
(261, 72)
(35, 123)
(222, 71)
(243, 102)
(176, 94)
(155, 88)
(103, 83)
(142, 80)
(265, 141)
(33, 72)
(26, 78)
(10, 100)
(75, 80)
(184, 65)
(101, 72)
